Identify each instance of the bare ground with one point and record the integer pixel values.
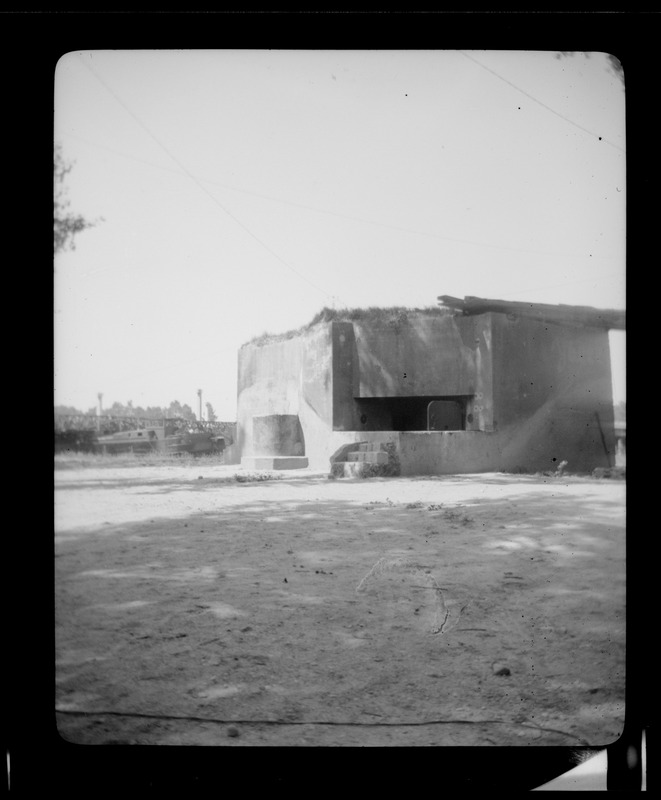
(474, 610)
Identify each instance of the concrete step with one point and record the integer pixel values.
(368, 456)
(366, 460)
(348, 469)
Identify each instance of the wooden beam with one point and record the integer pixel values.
(608, 318)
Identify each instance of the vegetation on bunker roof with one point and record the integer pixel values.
(372, 314)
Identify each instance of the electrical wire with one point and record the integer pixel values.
(539, 102)
(198, 183)
(321, 723)
(279, 258)
(351, 218)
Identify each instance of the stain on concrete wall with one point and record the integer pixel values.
(418, 356)
(552, 389)
(278, 435)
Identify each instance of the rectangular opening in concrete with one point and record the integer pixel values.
(446, 415)
(412, 413)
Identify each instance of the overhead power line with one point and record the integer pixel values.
(539, 102)
(198, 183)
(339, 215)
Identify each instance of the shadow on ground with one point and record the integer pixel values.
(305, 621)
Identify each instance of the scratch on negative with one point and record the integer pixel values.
(436, 631)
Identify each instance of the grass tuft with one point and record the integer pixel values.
(375, 314)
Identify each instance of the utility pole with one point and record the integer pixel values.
(99, 411)
(199, 394)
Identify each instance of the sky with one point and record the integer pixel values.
(238, 192)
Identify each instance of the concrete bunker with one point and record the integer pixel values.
(472, 385)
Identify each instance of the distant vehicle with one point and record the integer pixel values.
(173, 436)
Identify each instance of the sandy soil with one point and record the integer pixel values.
(192, 609)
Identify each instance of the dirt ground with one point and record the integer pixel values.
(195, 609)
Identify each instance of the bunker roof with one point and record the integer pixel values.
(587, 316)
(373, 314)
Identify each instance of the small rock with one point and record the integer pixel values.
(233, 732)
(200, 477)
(500, 669)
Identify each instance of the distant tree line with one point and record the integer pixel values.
(175, 409)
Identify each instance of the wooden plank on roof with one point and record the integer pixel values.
(608, 318)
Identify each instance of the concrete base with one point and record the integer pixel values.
(366, 460)
(274, 462)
